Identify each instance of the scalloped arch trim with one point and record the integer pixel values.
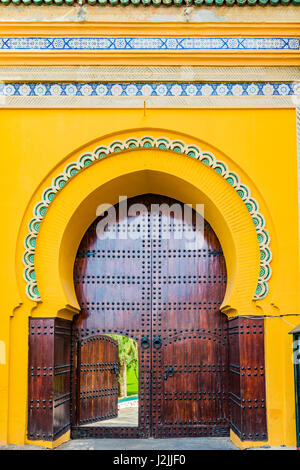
(146, 142)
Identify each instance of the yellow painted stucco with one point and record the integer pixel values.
(259, 145)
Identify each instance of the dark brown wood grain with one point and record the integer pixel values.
(49, 393)
(62, 377)
(97, 375)
(247, 396)
(190, 370)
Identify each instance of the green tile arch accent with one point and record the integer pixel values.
(146, 142)
(154, 2)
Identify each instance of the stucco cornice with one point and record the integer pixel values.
(93, 43)
(118, 29)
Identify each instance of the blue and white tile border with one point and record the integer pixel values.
(146, 89)
(110, 44)
(131, 144)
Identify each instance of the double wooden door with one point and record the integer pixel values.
(134, 279)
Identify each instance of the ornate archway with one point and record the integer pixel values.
(163, 145)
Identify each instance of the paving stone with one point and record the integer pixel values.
(201, 443)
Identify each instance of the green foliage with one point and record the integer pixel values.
(128, 352)
(132, 382)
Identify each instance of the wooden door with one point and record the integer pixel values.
(166, 296)
(97, 379)
(190, 343)
(113, 285)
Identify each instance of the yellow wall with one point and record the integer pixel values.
(260, 145)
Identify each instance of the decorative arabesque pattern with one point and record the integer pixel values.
(131, 144)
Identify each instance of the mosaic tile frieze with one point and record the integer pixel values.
(53, 44)
(149, 89)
